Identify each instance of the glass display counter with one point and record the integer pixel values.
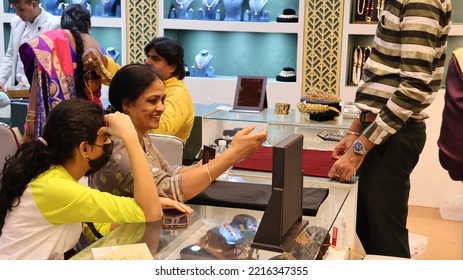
(209, 234)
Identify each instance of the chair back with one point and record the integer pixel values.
(10, 142)
(171, 147)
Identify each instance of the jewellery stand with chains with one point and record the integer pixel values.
(209, 9)
(360, 55)
(84, 3)
(183, 9)
(201, 66)
(109, 8)
(51, 6)
(257, 7)
(233, 9)
(367, 11)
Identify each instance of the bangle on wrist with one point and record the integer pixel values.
(352, 133)
(208, 173)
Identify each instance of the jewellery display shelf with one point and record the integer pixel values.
(179, 243)
(108, 31)
(357, 32)
(240, 48)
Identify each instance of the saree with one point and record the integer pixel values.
(56, 63)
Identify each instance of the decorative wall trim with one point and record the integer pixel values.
(142, 19)
(322, 50)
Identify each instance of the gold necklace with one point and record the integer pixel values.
(380, 8)
(369, 12)
(363, 7)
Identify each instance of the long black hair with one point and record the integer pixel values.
(172, 51)
(70, 123)
(76, 18)
(130, 82)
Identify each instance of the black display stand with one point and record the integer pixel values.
(282, 220)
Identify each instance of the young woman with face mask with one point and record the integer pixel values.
(42, 205)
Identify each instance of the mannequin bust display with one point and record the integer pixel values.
(201, 66)
(83, 3)
(51, 6)
(256, 7)
(209, 8)
(109, 8)
(182, 7)
(233, 9)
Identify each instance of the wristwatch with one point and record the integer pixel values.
(359, 148)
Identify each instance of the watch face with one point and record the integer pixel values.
(358, 147)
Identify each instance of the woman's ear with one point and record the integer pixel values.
(84, 149)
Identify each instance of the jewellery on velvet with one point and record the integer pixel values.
(287, 74)
(205, 62)
(209, 6)
(380, 8)
(360, 12)
(310, 108)
(252, 5)
(318, 95)
(369, 10)
(180, 4)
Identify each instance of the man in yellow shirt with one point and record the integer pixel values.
(165, 56)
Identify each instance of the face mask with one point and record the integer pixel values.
(98, 163)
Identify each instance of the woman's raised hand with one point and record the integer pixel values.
(244, 143)
(119, 125)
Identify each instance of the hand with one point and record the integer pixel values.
(343, 145)
(345, 167)
(119, 125)
(29, 132)
(167, 202)
(91, 59)
(244, 143)
(2, 87)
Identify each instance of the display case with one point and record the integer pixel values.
(358, 32)
(238, 47)
(195, 241)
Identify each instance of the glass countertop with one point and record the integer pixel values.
(295, 118)
(199, 239)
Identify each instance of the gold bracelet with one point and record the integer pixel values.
(352, 133)
(208, 173)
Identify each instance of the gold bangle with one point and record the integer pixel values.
(352, 133)
(208, 173)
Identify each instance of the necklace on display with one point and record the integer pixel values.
(180, 4)
(360, 12)
(380, 8)
(357, 66)
(256, 10)
(370, 8)
(209, 6)
(205, 62)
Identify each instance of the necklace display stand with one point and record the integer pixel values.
(109, 8)
(201, 66)
(183, 8)
(84, 3)
(257, 7)
(51, 6)
(233, 9)
(209, 8)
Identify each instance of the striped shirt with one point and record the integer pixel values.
(405, 68)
